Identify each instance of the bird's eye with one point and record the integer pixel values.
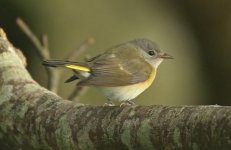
(151, 53)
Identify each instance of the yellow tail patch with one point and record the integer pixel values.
(75, 67)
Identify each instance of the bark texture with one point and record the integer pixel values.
(32, 117)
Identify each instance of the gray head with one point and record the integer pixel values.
(151, 51)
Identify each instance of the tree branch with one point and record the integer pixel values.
(32, 117)
(43, 51)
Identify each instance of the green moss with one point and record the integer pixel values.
(84, 141)
(7, 121)
(1, 135)
(63, 131)
(143, 135)
(177, 137)
(132, 113)
(23, 109)
(126, 135)
(10, 74)
(194, 146)
(35, 141)
(6, 93)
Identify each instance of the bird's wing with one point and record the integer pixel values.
(117, 67)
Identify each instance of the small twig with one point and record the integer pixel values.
(78, 91)
(44, 53)
(45, 44)
(82, 48)
(42, 48)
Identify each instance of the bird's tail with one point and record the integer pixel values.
(68, 64)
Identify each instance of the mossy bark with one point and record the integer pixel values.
(32, 117)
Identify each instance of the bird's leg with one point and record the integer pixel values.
(127, 103)
(110, 103)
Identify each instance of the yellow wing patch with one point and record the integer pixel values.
(80, 68)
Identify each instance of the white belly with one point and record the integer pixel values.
(129, 92)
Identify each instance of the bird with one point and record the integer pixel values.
(121, 73)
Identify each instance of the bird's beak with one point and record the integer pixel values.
(165, 56)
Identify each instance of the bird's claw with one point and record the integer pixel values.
(109, 104)
(127, 103)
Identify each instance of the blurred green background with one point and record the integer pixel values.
(197, 33)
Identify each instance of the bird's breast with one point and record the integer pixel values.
(128, 92)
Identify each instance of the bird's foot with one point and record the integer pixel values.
(109, 104)
(127, 103)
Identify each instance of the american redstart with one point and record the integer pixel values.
(121, 73)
